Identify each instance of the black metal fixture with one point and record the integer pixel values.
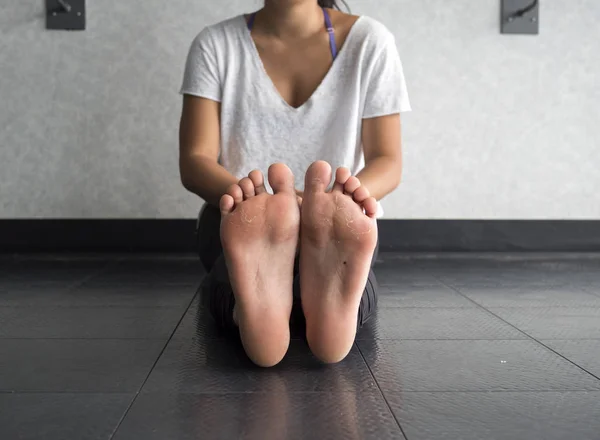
(520, 16)
(65, 14)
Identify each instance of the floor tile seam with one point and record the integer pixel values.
(586, 307)
(382, 394)
(423, 307)
(137, 393)
(74, 307)
(444, 339)
(591, 292)
(541, 307)
(569, 339)
(520, 284)
(580, 306)
(505, 390)
(96, 273)
(528, 335)
(515, 391)
(78, 392)
(78, 283)
(81, 339)
(471, 339)
(124, 284)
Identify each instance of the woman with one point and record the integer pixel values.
(294, 83)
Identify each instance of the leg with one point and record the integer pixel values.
(368, 301)
(207, 236)
(216, 296)
(215, 290)
(259, 233)
(338, 240)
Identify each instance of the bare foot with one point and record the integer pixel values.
(338, 237)
(259, 233)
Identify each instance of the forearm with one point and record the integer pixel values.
(381, 176)
(206, 178)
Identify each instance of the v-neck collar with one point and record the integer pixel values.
(265, 78)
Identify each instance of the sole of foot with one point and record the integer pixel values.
(338, 236)
(259, 233)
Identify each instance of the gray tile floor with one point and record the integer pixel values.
(463, 347)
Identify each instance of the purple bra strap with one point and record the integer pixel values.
(251, 21)
(328, 25)
(331, 33)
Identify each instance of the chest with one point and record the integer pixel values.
(296, 70)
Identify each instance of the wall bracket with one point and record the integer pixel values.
(520, 17)
(65, 14)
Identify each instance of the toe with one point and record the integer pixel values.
(226, 204)
(281, 178)
(341, 176)
(247, 188)
(370, 207)
(258, 180)
(236, 194)
(318, 177)
(351, 185)
(361, 194)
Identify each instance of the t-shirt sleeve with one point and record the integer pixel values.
(386, 92)
(201, 75)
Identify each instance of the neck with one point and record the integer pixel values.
(298, 19)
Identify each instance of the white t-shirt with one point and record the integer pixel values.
(258, 127)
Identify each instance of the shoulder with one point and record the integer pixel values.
(373, 36)
(211, 37)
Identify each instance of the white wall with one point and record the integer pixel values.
(503, 126)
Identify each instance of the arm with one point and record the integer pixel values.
(199, 144)
(386, 94)
(383, 155)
